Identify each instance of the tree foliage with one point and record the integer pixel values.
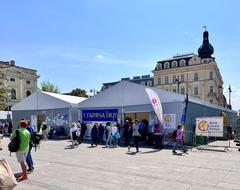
(78, 92)
(3, 99)
(49, 87)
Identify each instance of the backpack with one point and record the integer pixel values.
(174, 134)
(13, 146)
(35, 140)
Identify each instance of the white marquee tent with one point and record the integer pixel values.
(55, 109)
(129, 97)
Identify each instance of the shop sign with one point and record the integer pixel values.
(209, 126)
(100, 115)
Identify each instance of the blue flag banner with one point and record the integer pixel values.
(184, 114)
(100, 115)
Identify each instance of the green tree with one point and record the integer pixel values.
(78, 92)
(3, 99)
(49, 87)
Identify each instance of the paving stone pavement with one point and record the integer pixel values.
(59, 168)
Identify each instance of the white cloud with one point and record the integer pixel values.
(100, 56)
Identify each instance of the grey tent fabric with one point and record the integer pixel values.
(128, 94)
(46, 100)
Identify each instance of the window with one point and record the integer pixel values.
(28, 93)
(13, 94)
(12, 79)
(174, 90)
(28, 82)
(211, 89)
(166, 80)
(195, 78)
(174, 64)
(182, 78)
(182, 91)
(211, 101)
(159, 66)
(195, 91)
(174, 79)
(166, 65)
(211, 75)
(159, 81)
(182, 63)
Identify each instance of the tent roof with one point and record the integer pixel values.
(45, 100)
(127, 93)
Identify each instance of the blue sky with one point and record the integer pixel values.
(83, 43)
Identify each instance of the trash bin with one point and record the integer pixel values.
(201, 140)
(158, 140)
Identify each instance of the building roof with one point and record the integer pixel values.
(206, 49)
(178, 57)
(40, 100)
(127, 93)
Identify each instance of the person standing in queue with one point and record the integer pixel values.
(83, 130)
(94, 135)
(100, 133)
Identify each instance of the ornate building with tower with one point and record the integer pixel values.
(17, 82)
(197, 75)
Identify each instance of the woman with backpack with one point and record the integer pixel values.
(178, 134)
(23, 137)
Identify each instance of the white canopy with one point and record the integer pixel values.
(45, 100)
(128, 94)
(124, 94)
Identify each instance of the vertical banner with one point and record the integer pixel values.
(156, 103)
(184, 114)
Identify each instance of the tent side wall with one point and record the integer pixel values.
(195, 110)
(52, 114)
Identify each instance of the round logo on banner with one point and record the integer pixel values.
(167, 118)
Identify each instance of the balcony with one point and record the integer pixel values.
(211, 94)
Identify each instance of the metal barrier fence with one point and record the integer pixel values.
(217, 141)
(213, 141)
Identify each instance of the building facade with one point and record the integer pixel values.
(194, 74)
(18, 82)
(145, 80)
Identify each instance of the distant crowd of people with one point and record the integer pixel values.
(112, 134)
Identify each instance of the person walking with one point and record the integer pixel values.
(179, 140)
(136, 135)
(29, 155)
(94, 135)
(22, 152)
(73, 134)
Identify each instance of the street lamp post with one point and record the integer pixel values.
(178, 83)
(229, 91)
